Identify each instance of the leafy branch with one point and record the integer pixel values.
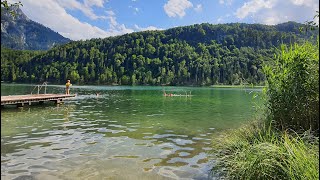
(311, 25)
(8, 6)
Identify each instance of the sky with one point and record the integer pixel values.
(86, 19)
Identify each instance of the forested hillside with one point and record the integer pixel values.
(202, 54)
(13, 60)
(19, 32)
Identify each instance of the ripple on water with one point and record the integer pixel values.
(132, 123)
(180, 141)
(117, 126)
(184, 154)
(115, 131)
(129, 156)
(166, 152)
(84, 107)
(49, 157)
(38, 167)
(197, 138)
(158, 136)
(151, 115)
(148, 169)
(180, 173)
(131, 129)
(18, 154)
(17, 171)
(14, 165)
(21, 136)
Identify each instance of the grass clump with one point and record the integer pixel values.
(256, 151)
(292, 91)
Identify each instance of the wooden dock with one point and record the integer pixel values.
(21, 100)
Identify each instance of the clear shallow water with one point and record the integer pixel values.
(124, 133)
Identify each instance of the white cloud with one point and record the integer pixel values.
(223, 19)
(112, 19)
(277, 11)
(110, 13)
(227, 2)
(175, 8)
(308, 3)
(84, 8)
(135, 9)
(271, 20)
(52, 14)
(115, 27)
(98, 3)
(253, 6)
(198, 8)
(146, 29)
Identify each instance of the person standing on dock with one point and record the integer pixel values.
(68, 84)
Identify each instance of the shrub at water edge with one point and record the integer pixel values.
(292, 89)
(256, 151)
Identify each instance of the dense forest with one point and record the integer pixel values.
(202, 54)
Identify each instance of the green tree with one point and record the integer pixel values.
(8, 6)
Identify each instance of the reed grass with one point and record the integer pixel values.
(257, 151)
(292, 87)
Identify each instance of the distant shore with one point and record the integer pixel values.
(93, 84)
(236, 86)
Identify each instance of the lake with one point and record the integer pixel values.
(127, 132)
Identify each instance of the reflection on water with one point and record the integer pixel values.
(129, 133)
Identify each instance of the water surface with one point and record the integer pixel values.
(124, 133)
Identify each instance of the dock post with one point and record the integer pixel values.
(57, 101)
(20, 104)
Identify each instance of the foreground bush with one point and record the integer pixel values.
(292, 89)
(256, 151)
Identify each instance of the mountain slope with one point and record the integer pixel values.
(19, 32)
(201, 54)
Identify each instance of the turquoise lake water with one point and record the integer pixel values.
(124, 133)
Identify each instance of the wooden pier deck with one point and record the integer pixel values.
(20, 100)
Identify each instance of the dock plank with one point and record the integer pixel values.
(15, 99)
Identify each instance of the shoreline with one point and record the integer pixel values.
(209, 86)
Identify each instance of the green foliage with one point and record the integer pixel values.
(8, 7)
(12, 61)
(293, 88)
(202, 54)
(258, 152)
(311, 25)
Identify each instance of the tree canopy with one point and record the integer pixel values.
(200, 54)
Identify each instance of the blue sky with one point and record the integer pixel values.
(86, 19)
